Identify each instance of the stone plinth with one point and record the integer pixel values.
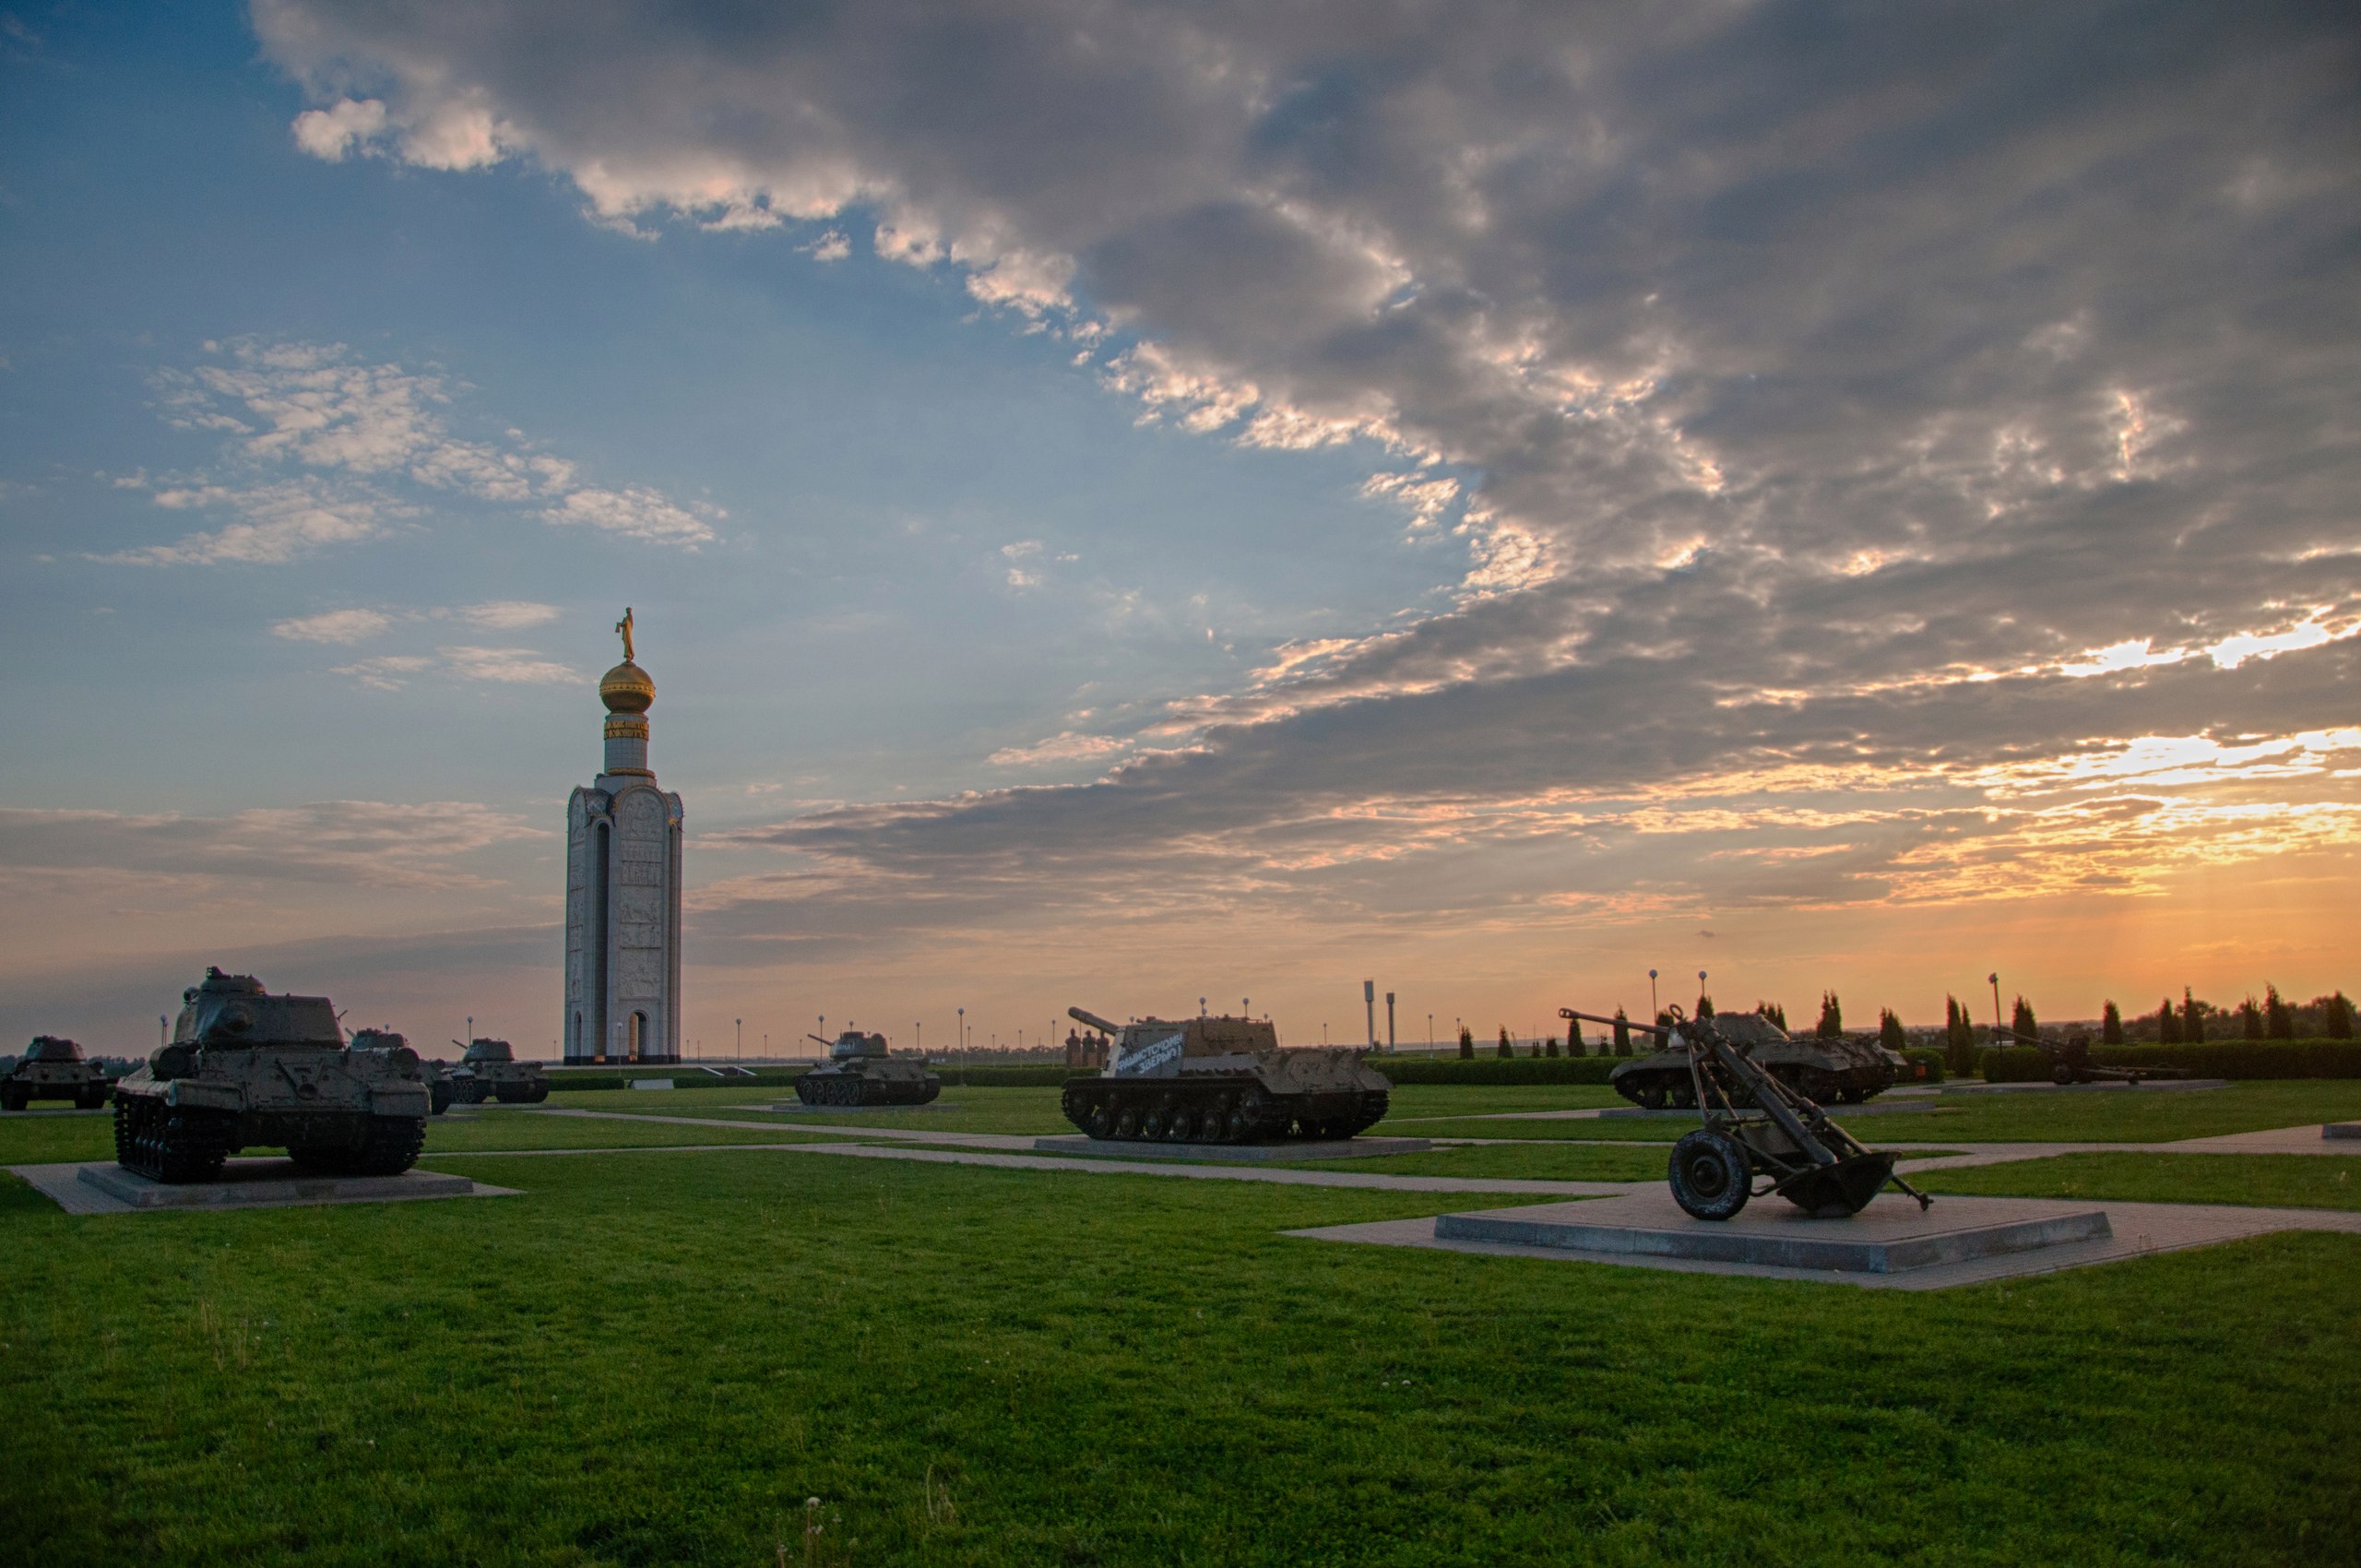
(253, 1184)
(2342, 1130)
(1329, 1149)
(1889, 1235)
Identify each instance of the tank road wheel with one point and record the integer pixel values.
(540, 1092)
(126, 1120)
(189, 1146)
(1710, 1174)
(1652, 1096)
(1151, 1124)
(393, 1148)
(1101, 1124)
(1127, 1122)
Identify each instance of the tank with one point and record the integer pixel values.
(52, 1068)
(440, 1093)
(861, 1072)
(1827, 1072)
(248, 1069)
(489, 1070)
(1221, 1080)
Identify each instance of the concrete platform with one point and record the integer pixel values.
(1251, 1154)
(2341, 1130)
(1890, 1235)
(104, 1187)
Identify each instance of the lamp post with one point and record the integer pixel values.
(741, 1039)
(918, 1028)
(1653, 1006)
(1430, 1031)
(963, 1045)
(1701, 986)
(1994, 980)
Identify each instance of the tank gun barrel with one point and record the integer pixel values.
(1083, 1015)
(1658, 1031)
(809, 1035)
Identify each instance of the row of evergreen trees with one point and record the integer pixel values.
(2329, 1017)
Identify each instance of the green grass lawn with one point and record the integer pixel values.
(656, 1359)
(2030, 1116)
(2277, 1180)
(43, 1140)
(1556, 1162)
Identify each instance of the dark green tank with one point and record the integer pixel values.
(1826, 1072)
(861, 1071)
(490, 1070)
(247, 1069)
(1221, 1081)
(52, 1068)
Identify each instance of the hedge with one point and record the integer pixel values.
(1928, 1058)
(1494, 1070)
(2235, 1059)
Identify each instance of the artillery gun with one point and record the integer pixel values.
(488, 1069)
(52, 1068)
(2070, 1061)
(1828, 1071)
(1757, 1126)
(1220, 1080)
(247, 1068)
(861, 1072)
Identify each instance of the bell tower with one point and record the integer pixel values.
(623, 890)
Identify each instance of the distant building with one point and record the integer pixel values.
(622, 891)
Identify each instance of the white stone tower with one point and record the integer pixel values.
(622, 891)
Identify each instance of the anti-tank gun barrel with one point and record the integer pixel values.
(1654, 1029)
(1084, 1016)
(809, 1035)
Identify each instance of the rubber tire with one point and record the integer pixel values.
(2062, 1074)
(1710, 1174)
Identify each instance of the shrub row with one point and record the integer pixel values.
(682, 1077)
(2235, 1059)
(1928, 1058)
(1495, 1070)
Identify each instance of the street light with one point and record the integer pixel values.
(741, 1039)
(1653, 1008)
(1994, 977)
(1430, 1031)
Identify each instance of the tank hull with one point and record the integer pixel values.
(1218, 1108)
(170, 1142)
(868, 1083)
(1823, 1072)
(83, 1082)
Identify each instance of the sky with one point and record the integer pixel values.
(1129, 504)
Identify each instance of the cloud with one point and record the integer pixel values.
(1063, 746)
(508, 614)
(1827, 413)
(332, 131)
(277, 523)
(830, 247)
(635, 513)
(334, 626)
(386, 673)
(361, 434)
(424, 844)
(509, 666)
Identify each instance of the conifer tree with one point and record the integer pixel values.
(2336, 1017)
(2192, 1018)
(2250, 1018)
(1832, 1016)
(1889, 1033)
(2110, 1024)
(1507, 1050)
(2021, 1019)
(1623, 1034)
(1467, 1043)
(1552, 1042)
(1776, 1014)
(1705, 1006)
(2278, 1019)
(2167, 1024)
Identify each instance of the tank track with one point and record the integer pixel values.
(154, 1140)
(85, 1097)
(391, 1146)
(514, 1093)
(851, 1090)
(1166, 1111)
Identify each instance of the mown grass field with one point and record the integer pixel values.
(2016, 1116)
(2274, 1181)
(657, 1357)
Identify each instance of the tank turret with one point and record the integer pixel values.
(1221, 1079)
(488, 1069)
(245, 1068)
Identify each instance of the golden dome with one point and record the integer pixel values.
(627, 689)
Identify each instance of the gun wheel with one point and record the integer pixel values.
(1710, 1174)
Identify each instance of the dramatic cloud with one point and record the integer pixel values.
(1857, 427)
(370, 842)
(360, 430)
